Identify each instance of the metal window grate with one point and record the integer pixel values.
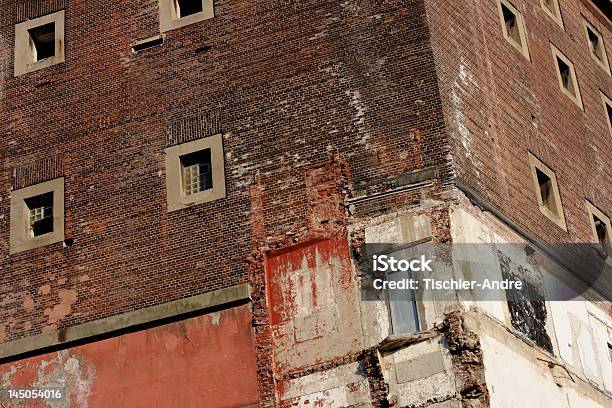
(40, 215)
(197, 172)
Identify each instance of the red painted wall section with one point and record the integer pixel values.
(206, 361)
(313, 304)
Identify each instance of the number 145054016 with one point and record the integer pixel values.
(14, 394)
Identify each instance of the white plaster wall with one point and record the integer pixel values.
(411, 375)
(335, 388)
(466, 228)
(579, 329)
(518, 382)
(515, 382)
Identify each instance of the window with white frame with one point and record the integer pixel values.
(195, 172)
(607, 109)
(551, 7)
(37, 215)
(513, 26)
(597, 48)
(566, 76)
(39, 43)
(600, 226)
(547, 191)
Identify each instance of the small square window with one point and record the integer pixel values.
(548, 197)
(37, 215)
(39, 43)
(597, 48)
(513, 26)
(600, 226)
(179, 13)
(551, 7)
(195, 172)
(566, 76)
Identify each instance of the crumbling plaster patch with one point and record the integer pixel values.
(67, 298)
(544, 379)
(461, 86)
(66, 371)
(358, 104)
(28, 303)
(341, 386)
(420, 373)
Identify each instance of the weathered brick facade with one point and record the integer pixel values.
(337, 117)
(288, 86)
(499, 105)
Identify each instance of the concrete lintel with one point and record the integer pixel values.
(129, 319)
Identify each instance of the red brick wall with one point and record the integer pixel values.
(289, 84)
(499, 105)
(205, 361)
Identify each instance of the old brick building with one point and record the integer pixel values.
(188, 187)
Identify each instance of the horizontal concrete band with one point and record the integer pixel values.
(118, 322)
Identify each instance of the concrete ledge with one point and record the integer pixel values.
(123, 321)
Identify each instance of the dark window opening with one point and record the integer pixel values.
(609, 110)
(511, 23)
(595, 43)
(40, 214)
(186, 8)
(610, 350)
(527, 307)
(566, 76)
(153, 42)
(197, 172)
(546, 191)
(602, 231)
(43, 41)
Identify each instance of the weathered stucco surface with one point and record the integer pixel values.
(207, 360)
(313, 302)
